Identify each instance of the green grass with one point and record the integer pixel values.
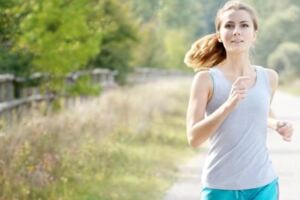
(133, 168)
(290, 84)
(124, 146)
(295, 90)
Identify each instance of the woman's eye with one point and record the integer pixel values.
(245, 25)
(228, 25)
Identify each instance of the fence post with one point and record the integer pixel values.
(6, 87)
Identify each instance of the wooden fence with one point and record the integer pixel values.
(17, 97)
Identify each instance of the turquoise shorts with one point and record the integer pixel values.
(267, 192)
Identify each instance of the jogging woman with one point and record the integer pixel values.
(230, 105)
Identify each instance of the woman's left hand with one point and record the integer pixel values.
(285, 129)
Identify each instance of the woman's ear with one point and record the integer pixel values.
(218, 37)
(254, 36)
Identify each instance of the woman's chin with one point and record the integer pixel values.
(237, 50)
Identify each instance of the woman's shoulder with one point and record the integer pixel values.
(202, 80)
(269, 70)
(203, 74)
(203, 77)
(272, 76)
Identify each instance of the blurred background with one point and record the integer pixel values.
(59, 37)
(93, 92)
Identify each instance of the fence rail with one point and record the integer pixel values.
(17, 99)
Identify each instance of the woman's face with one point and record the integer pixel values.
(236, 31)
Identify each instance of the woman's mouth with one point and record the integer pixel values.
(237, 41)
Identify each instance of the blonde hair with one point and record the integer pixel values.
(207, 51)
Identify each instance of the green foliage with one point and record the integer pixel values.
(286, 58)
(274, 32)
(208, 14)
(12, 61)
(175, 42)
(62, 35)
(15, 62)
(83, 87)
(118, 40)
(158, 20)
(176, 13)
(150, 50)
(146, 11)
(8, 21)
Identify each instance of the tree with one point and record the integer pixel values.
(286, 58)
(145, 11)
(119, 36)
(149, 52)
(14, 61)
(62, 35)
(276, 30)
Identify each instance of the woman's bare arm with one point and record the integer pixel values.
(199, 127)
(284, 128)
(273, 79)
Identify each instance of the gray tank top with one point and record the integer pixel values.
(238, 156)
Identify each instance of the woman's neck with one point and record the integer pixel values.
(236, 64)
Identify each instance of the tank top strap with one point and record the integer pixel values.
(264, 76)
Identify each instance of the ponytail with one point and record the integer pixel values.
(205, 53)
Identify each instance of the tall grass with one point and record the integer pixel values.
(292, 87)
(125, 144)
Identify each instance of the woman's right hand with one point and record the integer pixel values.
(238, 91)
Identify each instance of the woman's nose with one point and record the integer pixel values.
(236, 31)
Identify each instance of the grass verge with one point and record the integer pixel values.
(125, 145)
